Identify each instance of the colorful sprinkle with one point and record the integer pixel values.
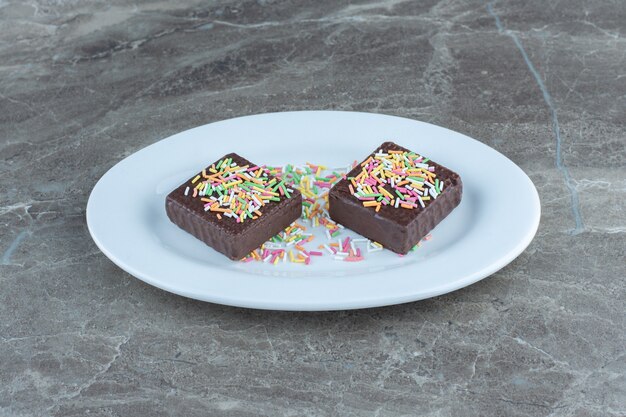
(313, 181)
(395, 179)
(237, 192)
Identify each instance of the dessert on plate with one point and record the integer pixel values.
(233, 206)
(395, 197)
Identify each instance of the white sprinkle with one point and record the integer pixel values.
(328, 235)
(207, 208)
(267, 258)
(339, 258)
(291, 243)
(397, 202)
(352, 247)
(340, 226)
(329, 249)
(441, 183)
(187, 191)
(421, 202)
(433, 193)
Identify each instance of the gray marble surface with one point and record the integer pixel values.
(85, 83)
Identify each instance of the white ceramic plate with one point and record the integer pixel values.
(494, 223)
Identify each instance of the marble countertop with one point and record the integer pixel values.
(84, 84)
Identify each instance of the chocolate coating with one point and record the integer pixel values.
(396, 229)
(235, 240)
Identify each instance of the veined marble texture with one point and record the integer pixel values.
(85, 83)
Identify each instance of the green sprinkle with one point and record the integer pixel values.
(399, 194)
(277, 185)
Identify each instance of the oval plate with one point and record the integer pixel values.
(493, 224)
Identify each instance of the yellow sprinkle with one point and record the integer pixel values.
(385, 192)
(370, 203)
(230, 184)
(196, 178)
